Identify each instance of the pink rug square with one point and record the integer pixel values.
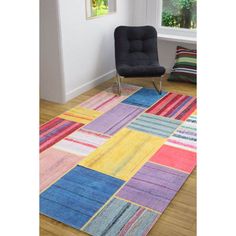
(54, 164)
(176, 158)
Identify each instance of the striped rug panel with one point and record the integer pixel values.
(176, 158)
(81, 142)
(106, 100)
(144, 97)
(155, 125)
(54, 164)
(55, 130)
(103, 101)
(153, 186)
(176, 106)
(123, 154)
(126, 89)
(121, 218)
(77, 196)
(80, 114)
(186, 135)
(115, 119)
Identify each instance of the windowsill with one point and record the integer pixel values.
(177, 38)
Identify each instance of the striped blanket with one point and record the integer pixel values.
(185, 68)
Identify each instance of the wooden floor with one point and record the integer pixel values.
(179, 219)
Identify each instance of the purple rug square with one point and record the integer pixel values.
(115, 119)
(153, 186)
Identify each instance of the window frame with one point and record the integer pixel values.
(172, 31)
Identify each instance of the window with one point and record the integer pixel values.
(177, 17)
(100, 7)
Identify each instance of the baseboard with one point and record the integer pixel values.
(89, 85)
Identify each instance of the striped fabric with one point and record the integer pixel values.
(153, 186)
(81, 142)
(103, 101)
(115, 119)
(123, 154)
(185, 68)
(186, 135)
(106, 100)
(77, 196)
(55, 130)
(80, 115)
(54, 164)
(156, 125)
(126, 89)
(175, 106)
(121, 218)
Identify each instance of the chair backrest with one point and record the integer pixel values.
(136, 46)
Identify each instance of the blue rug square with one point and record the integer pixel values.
(77, 196)
(144, 97)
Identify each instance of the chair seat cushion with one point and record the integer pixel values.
(141, 70)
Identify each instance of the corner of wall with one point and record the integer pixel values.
(89, 85)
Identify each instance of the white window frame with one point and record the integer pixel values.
(171, 32)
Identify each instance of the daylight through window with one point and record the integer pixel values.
(179, 14)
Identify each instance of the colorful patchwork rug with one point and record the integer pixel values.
(112, 165)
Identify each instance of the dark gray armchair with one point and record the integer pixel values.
(136, 54)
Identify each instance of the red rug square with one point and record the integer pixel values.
(176, 158)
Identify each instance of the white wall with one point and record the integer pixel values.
(51, 69)
(76, 53)
(88, 45)
(145, 13)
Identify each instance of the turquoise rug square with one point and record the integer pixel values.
(144, 97)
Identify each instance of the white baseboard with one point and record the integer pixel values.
(89, 85)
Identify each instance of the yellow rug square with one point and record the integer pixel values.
(124, 154)
(80, 114)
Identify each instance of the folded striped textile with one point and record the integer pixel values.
(185, 68)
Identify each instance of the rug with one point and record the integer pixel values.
(112, 165)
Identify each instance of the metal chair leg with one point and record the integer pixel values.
(118, 84)
(160, 85)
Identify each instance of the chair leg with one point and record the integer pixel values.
(160, 85)
(118, 81)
